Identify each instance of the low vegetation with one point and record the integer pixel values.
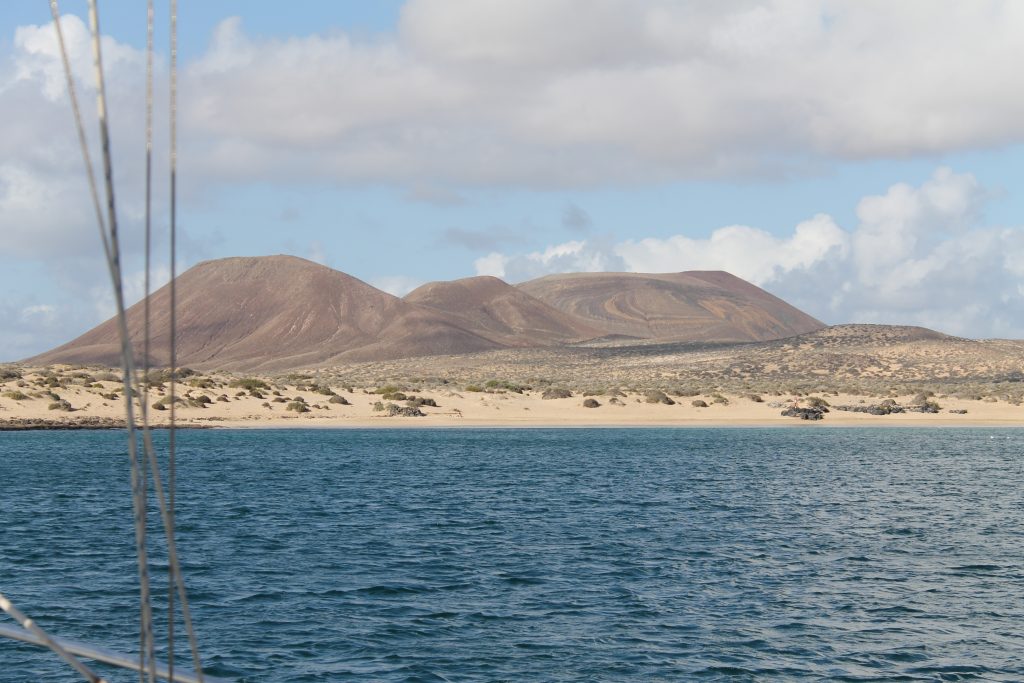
(555, 393)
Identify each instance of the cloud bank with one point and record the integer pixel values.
(582, 92)
(569, 93)
(918, 255)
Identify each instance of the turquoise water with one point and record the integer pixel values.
(541, 555)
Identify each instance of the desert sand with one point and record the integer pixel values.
(70, 396)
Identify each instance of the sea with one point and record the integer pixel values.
(786, 554)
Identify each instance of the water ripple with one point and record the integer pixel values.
(541, 555)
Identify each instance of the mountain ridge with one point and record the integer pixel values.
(281, 312)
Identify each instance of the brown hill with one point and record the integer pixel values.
(693, 306)
(501, 312)
(281, 312)
(276, 312)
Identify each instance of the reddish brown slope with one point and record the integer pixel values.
(276, 312)
(697, 306)
(498, 310)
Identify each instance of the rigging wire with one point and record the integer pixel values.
(173, 350)
(45, 639)
(171, 462)
(147, 654)
(109, 235)
(114, 264)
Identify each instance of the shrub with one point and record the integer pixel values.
(298, 407)
(223, 399)
(378, 406)
(504, 385)
(341, 400)
(474, 388)
(201, 383)
(15, 396)
(817, 402)
(248, 383)
(9, 373)
(395, 396)
(279, 399)
(322, 389)
(591, 403)
(387, 389)
(699, 403)
(556, 392)
(655, 396)
(61, 405)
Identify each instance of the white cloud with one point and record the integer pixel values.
(574, 256)
(917, 256)
(45, 210)
(747, 252)
(396, 285)
(571, 92)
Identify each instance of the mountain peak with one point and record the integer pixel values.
(280, 312)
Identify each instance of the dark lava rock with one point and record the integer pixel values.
(656, 396)
(398, 411)
(805, 413)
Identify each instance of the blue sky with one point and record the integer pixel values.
(859, 159)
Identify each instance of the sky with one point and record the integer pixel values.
(860, 158)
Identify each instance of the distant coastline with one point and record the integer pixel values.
(67, 397)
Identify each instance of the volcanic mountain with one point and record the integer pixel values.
(281, 312)
(276, 312)
(691, 306)
(502, 312)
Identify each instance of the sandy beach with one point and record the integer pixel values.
(67, 397)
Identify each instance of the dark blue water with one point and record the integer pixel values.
(542, 555)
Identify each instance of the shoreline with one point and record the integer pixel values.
(74, 399)
(420, 423)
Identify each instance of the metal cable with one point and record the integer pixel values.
(49, 642)
(112, 252)
(147, 653)
(110, 246)
(172, 452)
